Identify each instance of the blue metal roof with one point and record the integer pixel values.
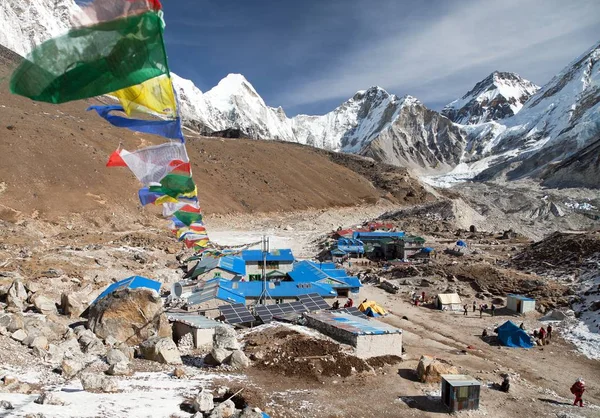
(215, 289)
(311, 272)
(274, 255)
(233, 264)
(133, 282)
(521, 297)
(278, 289)
(354, 324)
(377, 234)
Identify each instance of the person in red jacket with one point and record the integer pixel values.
(349, 303)
(577, 389)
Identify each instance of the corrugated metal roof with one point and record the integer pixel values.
(310, 272)
(214, 289)
(233, 264)
(354, 324)
(520, 297)
(275, 255)
(278, 289)
(377, 234)
(194, 320)
(133, 282)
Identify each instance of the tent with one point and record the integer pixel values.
(511, 335)
(461, 243)
(449, 302)
(371, 308)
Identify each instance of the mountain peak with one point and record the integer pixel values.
(498, 96)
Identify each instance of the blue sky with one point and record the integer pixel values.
(309, 56)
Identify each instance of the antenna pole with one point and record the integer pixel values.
(265, 251)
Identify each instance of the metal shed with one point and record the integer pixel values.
(460, 392)
(519, 303)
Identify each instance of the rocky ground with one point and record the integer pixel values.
(292, 371)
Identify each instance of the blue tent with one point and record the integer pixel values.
(511, 335)
(461, 243)
(132, 282)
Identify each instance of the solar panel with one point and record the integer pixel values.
(313, 302)
(236, 313)
(267, 312)
(298, 307)
(352, 311)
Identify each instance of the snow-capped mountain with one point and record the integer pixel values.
(562, 118)
(503, 125)
(498, 96)
(231, 104)
(24, 24)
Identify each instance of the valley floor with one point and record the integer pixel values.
(541, 377)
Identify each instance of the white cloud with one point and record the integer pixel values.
(407, 54)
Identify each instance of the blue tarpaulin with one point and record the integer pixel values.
(461, 243)
(511, 335)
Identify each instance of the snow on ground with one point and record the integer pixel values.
(584, 332)
(142, 395)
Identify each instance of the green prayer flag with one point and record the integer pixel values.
(94, 60)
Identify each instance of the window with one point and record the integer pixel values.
(255, 277)
(273, 265)
(217, 274)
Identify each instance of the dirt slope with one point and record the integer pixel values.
(53, 164)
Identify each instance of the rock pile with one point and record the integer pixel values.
(207, 405)
(226, 349)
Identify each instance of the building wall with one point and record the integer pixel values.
(211, 274)
(255, 267)
(368, 346)
(527, 306)
(202, 337)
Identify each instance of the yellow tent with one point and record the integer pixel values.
(374, 307)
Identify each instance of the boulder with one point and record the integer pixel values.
(70, 348)
(44, 305)
(203, 402)
(223, 410)
(162, 350)
(430, 369)
(92, 382)
(49, 398)
(90, 344)
(72, 304)
(111, 341)
(39, 342)
(179, 373)
(217, 356)
(70, 367)
(128, 351)
(119, 369)
(5, 319)
(17, 296)
(16, 323)
(225, 337)
(19, 335)
(6, 405)
(238, 360)
(114, 356)
(130, 316)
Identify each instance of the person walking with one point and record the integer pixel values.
(466, 308)
(481, 310)
(493, 309)
(549, 332)
(474, 306)
(577, 389)
(542, 334)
